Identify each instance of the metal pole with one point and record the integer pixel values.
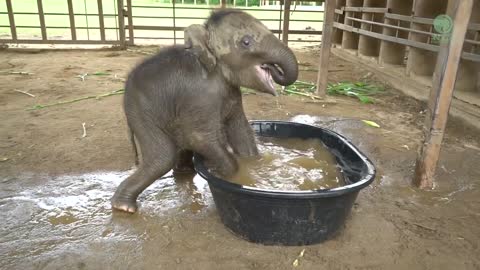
(11, 19)
(131, 37)
(286, 21)
(101, 21)
(121, 24)
(42, 19)
(441, 97)
(174, 27)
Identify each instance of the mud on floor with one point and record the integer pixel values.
(55, 183)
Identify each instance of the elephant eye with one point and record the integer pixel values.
(247, 41)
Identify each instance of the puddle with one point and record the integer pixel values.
(71, 212)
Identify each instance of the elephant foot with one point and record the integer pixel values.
(125, 205)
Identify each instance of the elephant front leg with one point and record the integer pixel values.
(241, 136)
(217, 158)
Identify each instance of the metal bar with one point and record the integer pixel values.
(11, 19)
(181, 28)
(42, 19)
(71, 16)
(51, 41)
(286, 21)
(100, 19)
(441, 98)
(131, 36)
(280, 19)
(179, 38)
(366, 9)
(57, 27)
(58, 14)
(121, 24)
(174, 26)
(203, 18)
(209, 8)
(322, 75)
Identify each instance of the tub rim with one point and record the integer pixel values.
(202, 170)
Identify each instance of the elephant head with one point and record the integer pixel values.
(244, 51)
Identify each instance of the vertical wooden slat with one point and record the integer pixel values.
(41, 16)
(441, 97)
(322, 76)
(101, 20)
(121, 24)
(224, 3)
(286, 21)
(11, 18)
(130, 23)
(71, 16)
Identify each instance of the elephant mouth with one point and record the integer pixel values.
(267, 74)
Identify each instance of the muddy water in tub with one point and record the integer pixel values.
(290, 164)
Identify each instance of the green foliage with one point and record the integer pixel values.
(361, 90)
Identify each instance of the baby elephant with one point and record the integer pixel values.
(187, 99)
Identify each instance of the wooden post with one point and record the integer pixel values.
(441, 96)
(286, 21)
(224, 3)
(322, 77)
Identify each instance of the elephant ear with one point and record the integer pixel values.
(196, 38)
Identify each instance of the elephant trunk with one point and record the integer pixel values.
(282, 63)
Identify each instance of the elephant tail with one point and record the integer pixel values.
(134, 145)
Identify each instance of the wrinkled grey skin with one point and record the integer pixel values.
(187, 99)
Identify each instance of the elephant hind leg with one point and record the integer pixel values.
(158, 157)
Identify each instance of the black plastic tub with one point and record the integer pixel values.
(275, 217)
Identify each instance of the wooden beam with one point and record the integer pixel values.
(286, 21)
(403, 41)
(392, 26)
(441, 97)
(322, 76)
(366, 9)
(415, 19)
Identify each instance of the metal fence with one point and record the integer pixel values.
(129, 22)
(19, 20)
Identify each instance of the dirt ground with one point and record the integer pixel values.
(56, 184)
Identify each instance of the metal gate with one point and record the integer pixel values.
(89, 22)
(129, 22)
(168, 21)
